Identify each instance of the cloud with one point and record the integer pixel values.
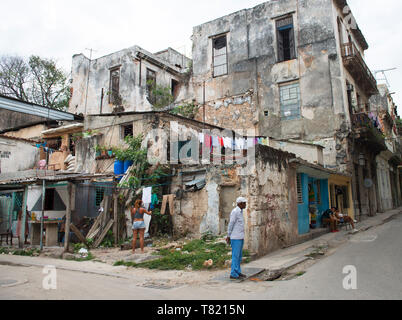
(59, 29)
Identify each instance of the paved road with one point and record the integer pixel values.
(376, 254)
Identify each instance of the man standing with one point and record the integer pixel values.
(236, 237)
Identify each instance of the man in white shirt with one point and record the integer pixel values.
(236, 237)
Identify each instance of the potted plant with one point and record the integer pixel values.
(98, 151)
(109, 151)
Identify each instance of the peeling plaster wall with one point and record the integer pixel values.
(253, 67)
(271, 214)
(17, 155)
(132, 82)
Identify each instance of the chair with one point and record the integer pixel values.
(6, 234)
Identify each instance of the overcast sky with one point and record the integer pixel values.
(58, 29)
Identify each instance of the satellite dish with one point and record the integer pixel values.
(368, 183)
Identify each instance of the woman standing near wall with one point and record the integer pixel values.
(137, 217)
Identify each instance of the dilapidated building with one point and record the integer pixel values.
(123, 80)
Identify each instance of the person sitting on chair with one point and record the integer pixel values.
(344, 218)
(328, 217)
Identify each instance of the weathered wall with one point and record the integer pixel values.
(253, 67)
(309, 152)
(34, 132)
(132, 81)
(10, 119)
(271, 214)
(17, 155)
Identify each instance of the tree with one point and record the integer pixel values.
(36, 80)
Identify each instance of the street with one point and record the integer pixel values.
(376, 255)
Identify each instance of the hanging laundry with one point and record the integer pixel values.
(167, 199)
(215, 141)
(207, 141)
(221, 142)
(228, 142)
(201, 137)
(147, 195)
(250, 142)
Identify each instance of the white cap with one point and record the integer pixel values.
(241, 200)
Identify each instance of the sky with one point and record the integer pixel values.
(59, 29)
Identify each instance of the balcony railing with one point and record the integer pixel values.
(365, 130)
(354, 62)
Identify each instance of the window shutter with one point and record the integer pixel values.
(292, 44)
(281, 54)
(299, 189)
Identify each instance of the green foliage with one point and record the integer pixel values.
(108, 241)
(160, 96)
(160, 224)
(188, 110)
(20, 252)
(36, 80)
(193, 254)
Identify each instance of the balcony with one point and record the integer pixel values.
(365, 132)
(354, 63)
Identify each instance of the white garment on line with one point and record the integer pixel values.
(228, 142)
(147, 195)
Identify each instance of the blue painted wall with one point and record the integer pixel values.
(302, 208)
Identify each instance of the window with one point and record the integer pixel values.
(151, 83)
(127, 130)
(100, 193)
(175, 87)
(114, 87)
(299, 189)
(220, 58)
(286, 39)
(290, 101)
(49, 199)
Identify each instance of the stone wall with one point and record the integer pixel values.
(271, 214)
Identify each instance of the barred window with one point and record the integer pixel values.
(290, 101)
(299, 189)
(220, 58)
(285, 39)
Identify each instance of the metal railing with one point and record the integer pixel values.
(349, 51)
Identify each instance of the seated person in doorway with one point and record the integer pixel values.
(328, 217)
(313, 218)
(345, 218)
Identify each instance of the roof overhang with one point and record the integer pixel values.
(36, 110)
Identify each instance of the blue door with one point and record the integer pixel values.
(302, 208)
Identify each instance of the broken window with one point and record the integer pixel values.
(290, 101)
(299, 189)
(286, 39)
(114, 87)
(220, 58)
(151, 83)
(175, 87)
(127, 130)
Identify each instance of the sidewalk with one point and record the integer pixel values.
(278, 261)
(285, 259)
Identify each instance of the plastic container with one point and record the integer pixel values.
(127, 164)
(118, 168)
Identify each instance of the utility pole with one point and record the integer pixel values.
(89, 71)
(384, 75)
